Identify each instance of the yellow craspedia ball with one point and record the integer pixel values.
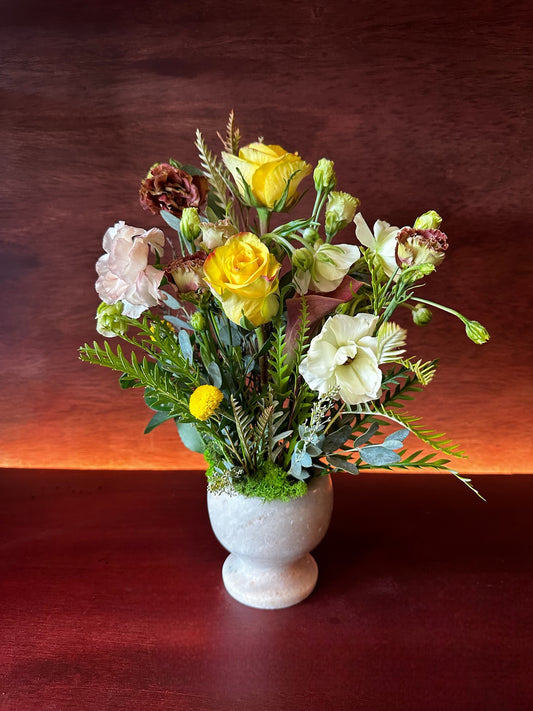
(204, 401)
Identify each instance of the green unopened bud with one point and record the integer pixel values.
(190, 224)
(430, 220)
(109, 320)
(476, 332)
(340, 210)
(416, 271)
(198, 321)
(421, 314)
(324, 175)
(311, 236)
(302, 258)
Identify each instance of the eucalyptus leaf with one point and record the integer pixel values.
(229, 334)
(177, 322)
(313, 450)
(185, 345)
(342, 464)
(395, 440)
(336, 439)
(378, 456)
(190, 437)
(170, 301)
(370, 432)
(215, 375)
(171, 220)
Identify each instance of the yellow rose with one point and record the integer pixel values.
(243, 276)
(267, 170)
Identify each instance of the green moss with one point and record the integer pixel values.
(272, 483)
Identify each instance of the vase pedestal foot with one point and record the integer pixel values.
(269, 587)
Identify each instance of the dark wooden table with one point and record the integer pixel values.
(111, 598)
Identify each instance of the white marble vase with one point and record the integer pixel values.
(270, 565)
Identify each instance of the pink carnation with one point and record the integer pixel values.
(124, 273)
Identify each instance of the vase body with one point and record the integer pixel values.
(270, 565)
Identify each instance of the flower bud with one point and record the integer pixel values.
(198, 321)
(311, 236)
(109, 320)
(476, 332)
(302, 258)
(430, 220)
(324, 175)
(190, 224)
(421, 314)
(340, 210)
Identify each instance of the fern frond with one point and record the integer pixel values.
(437, 440)
(391, 339)
(213, 170)
(279, 370)
(162, 386)
(424, 372)
(242, 425)
(302, 334)
(427, 461)
(399, 385)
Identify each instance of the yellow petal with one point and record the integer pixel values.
(270, 179)
(236, 166)
(260, 153)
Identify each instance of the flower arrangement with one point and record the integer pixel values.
(272, 347)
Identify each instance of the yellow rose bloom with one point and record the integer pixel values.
(243, 275)
(267, 169)
(204, 401)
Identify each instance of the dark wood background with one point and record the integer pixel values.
(421, 105)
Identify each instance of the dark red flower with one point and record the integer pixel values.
(172, 189)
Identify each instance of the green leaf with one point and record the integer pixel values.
(157, 420)
(190, 437)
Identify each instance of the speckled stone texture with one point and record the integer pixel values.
(270, 565)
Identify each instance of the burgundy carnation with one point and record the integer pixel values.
(172, 189)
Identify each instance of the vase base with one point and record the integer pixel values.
(269, 588)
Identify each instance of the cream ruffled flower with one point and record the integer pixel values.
(124, 273)
(344, 356)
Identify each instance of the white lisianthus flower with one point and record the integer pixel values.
(329, 264)
(382, 242)
(124, 273)
(344, 356)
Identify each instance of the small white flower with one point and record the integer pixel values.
(124, 273)
(330, 264)
(344, 356)
(382, 242)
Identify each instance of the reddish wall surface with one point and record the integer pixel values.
(421, 105)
